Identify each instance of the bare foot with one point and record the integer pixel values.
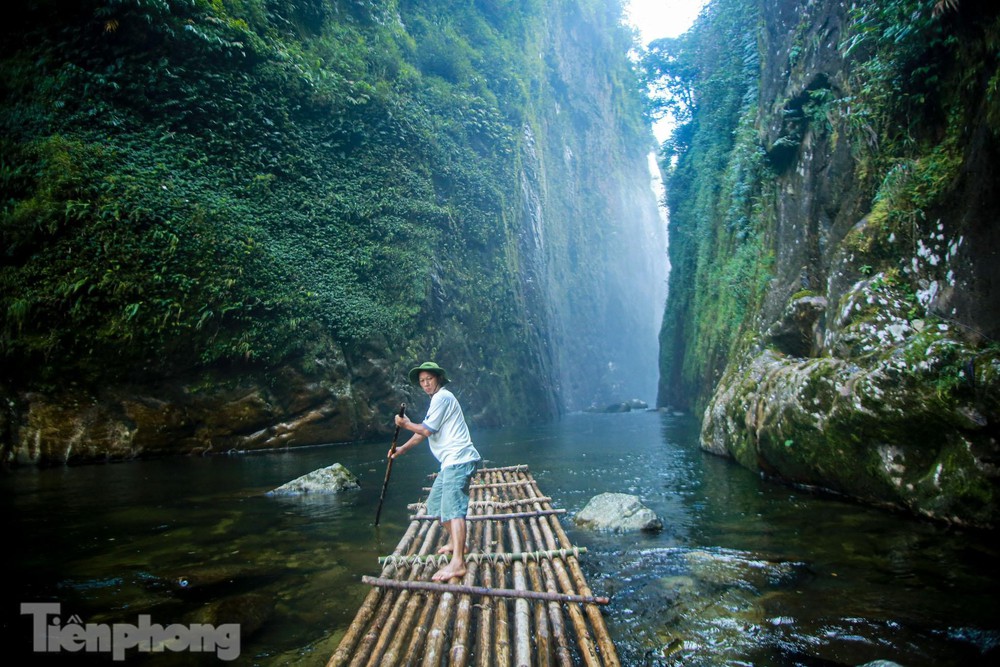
(446, 549)
(450, 570)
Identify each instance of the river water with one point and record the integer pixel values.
(745, 572)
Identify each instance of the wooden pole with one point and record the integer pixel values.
(388, 465)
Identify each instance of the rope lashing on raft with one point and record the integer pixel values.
(478, 557)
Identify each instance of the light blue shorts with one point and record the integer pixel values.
(449, 496)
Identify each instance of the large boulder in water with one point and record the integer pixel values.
(619, 513)
(894, 410)
(331, 479)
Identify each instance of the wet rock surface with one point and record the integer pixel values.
(331, 479)
(619, 513)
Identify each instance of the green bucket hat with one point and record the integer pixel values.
(428, 366)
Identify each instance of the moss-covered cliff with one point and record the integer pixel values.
(235, 224)
(833, 302)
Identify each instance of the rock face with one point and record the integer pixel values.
(331, 479)
(216, 412)
(619, 513)
(865, 362)
(898, 415)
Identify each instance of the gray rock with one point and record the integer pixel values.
(331, 479)
(617, 512)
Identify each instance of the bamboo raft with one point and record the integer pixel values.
(523, 601)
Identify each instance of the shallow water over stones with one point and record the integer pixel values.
(745, 572)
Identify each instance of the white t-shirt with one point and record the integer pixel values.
(450, 441)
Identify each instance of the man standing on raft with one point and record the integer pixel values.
(446, 432)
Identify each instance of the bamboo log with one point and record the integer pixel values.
(607, 647)
(494, 517)
(438, 630)
(342, 655)
(521, 467)
(458, 654)
(522, 616)
(344, 650)
(388, 630)
(414, 649)
(419, 638)
(562, 651)
(584, 641)
(374, 641)
(501, 615)
(483, 472)
(391, 639)
(514, 593)
(485, 607)
(405, 627)
(563, 654)
(400, 610)
(364, 648)
(605, 643)
(543, 637)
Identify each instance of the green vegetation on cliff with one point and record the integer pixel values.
(833, 262)
(195, 182)
(903, 98)
(715, 169)
(200, 181)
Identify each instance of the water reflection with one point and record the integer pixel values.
(745, 572)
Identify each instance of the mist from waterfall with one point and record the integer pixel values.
(605, 268)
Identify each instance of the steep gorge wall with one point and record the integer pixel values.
(602, 240)
(866, 361)
(236, 226)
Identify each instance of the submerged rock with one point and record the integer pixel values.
(331, 479)
(617, 512)
(210, 579)
(249, 611)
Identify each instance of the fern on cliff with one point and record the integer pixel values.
(194, 181)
